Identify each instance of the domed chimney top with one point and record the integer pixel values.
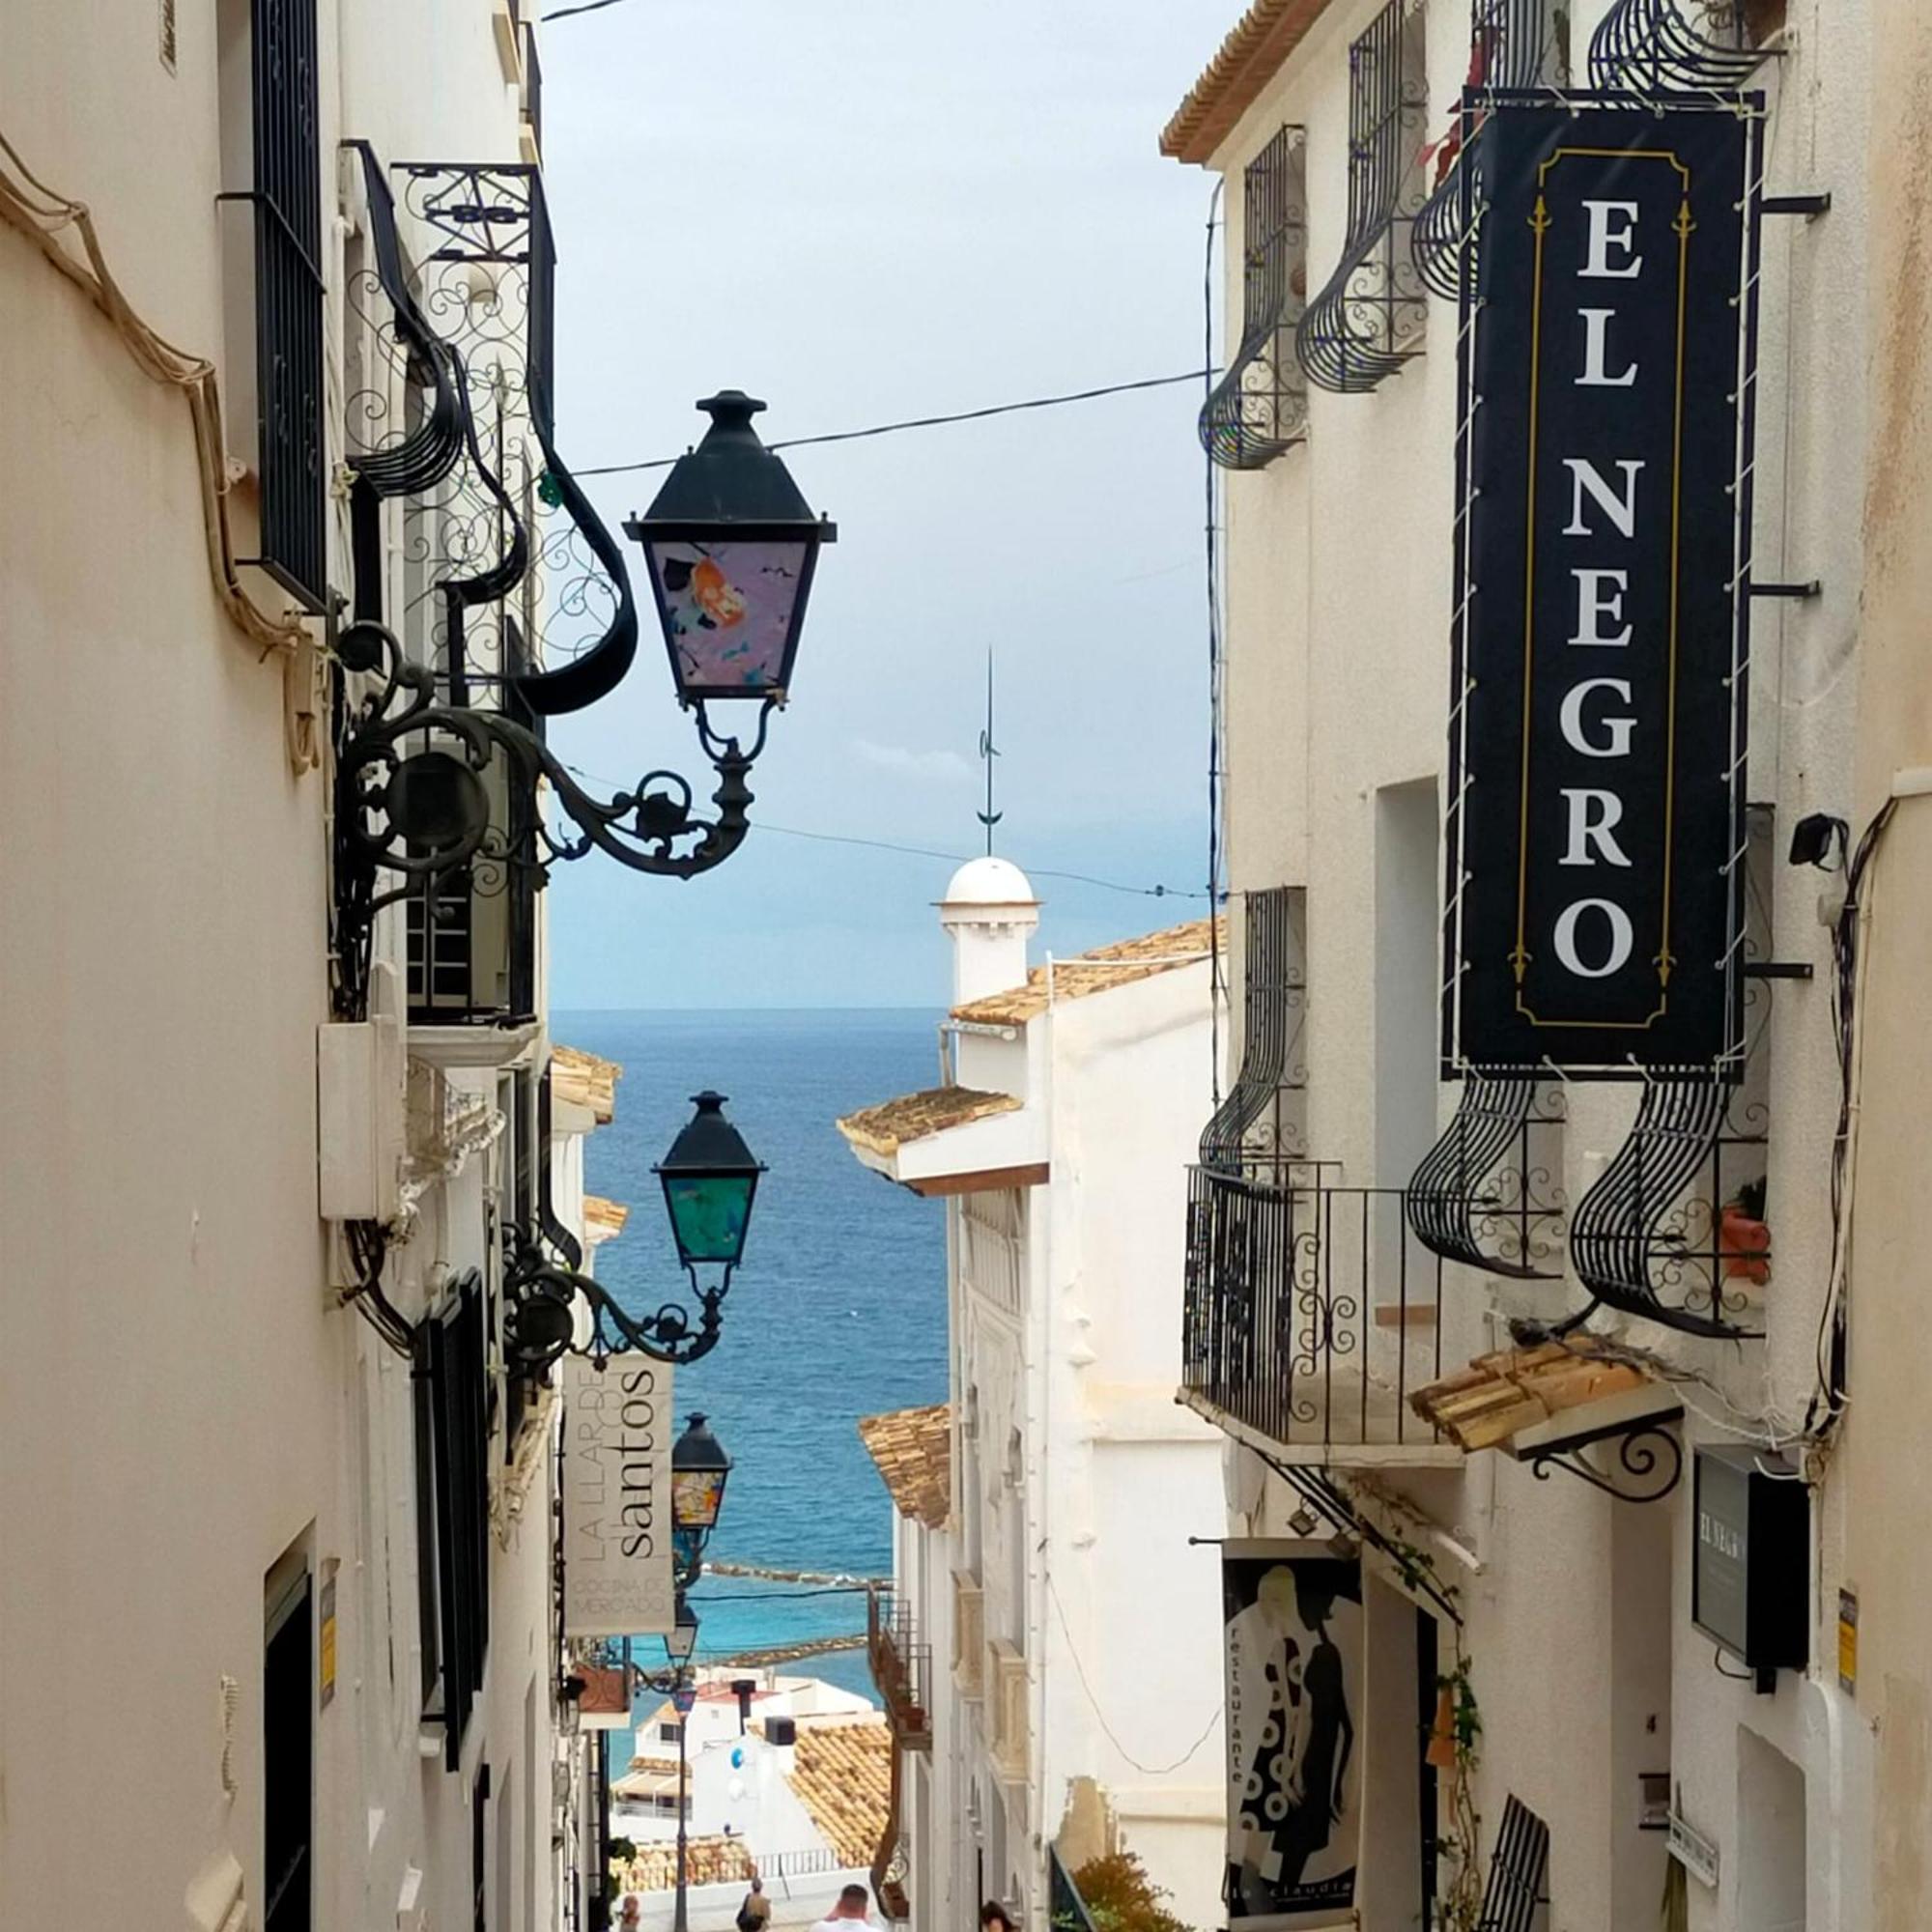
(989, 909)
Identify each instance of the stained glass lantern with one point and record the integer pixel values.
(730, 545)
(698, 1470)
(709, 1178)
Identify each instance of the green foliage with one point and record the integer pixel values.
(1121, 1898)
(622, 1848)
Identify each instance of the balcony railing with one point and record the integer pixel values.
(1311, 1311)
(902, 1668)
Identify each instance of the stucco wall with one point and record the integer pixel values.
(182, 1399)
(1338, 606)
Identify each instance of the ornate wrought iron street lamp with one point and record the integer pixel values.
(731, 550)
(709, 1178)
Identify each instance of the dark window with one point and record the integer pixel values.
(479, 1845)
(287, 1762)
(453, 1507)
(667, 1733)
(287, 298)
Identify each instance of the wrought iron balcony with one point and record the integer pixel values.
(1661, 46)
(902, 1668)
(1514, 45)
(1258, 409)
(1365, 323)
(1311, 1312)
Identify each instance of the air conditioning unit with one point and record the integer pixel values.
(361, 1092)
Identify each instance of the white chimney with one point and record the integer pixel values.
(988, 911)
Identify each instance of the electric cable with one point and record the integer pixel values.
(1214, 892)
(927, 422)
(1153, 892)
(1100, 1716)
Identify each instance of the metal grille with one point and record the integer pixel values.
(1656, 46)
(1259, 407)
(1514, 1889)
(1358, 331)
(288, 299)
(1489, 1193)
(1263, 1112)
(1514, 45)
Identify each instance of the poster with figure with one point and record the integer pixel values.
(1293, 1628)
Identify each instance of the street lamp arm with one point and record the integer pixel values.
(421, 809)
(671, 1334)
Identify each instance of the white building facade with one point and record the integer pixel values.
(279, 1632)
(1627, 1763)
(1037, 1661)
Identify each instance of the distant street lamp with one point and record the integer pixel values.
(698, 1472)
(709, 1178)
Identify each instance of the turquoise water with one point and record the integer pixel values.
(838, 1310)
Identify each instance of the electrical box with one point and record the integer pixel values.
(1752, 1558)
(361, 1087)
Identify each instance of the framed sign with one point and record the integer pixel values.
(619, 1422)
(1597, 738)
(1293, 1633)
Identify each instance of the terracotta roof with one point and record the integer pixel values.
(586, 1080)
(843, 1776)
(913, 1117)
(1484, 1406)
(602, 1218)
(711, 1861)
(1100, 971)
(913, 1448)
(1250, 57)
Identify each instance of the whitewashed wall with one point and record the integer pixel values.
(1337, 608)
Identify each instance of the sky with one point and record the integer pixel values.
(860, 211)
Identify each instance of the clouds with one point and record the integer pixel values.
(932, 767)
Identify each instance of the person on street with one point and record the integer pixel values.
(994, 1918)
(757, 1911)
(852, 1909)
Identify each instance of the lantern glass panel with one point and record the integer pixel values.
(709, 1214)
(696, 1497)
(730, 611)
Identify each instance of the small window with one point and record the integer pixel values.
(271, 163)
(667, 1733)
(288, 1747)
(453, 1507)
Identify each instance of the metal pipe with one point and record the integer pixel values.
(681, 1915)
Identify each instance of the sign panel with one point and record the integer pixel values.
(1293, 1628)
(618, 1423)
(1598, 718)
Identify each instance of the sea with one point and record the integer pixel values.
(838, 1311)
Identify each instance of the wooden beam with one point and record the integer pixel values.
(1034, 1175)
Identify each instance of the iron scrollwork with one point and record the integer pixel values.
(1487, 1193)
(1649, 1460)
(419, 808)
(670, 1333)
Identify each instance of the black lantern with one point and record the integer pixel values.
(730, 545)
(698, 1470)
(682, 1640)
(709, 1178)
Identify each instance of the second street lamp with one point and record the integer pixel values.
(699, 1469)
(710, 1178)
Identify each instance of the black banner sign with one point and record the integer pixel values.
(1598, 718)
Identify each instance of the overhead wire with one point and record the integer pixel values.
(1154, 892)
(928, 422)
